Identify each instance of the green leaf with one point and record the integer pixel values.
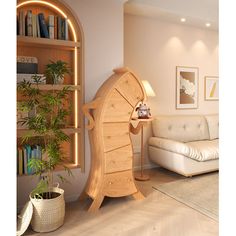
(51, 110)
(41, 187)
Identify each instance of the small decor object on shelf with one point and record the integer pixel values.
(143, 111)
(55, 72)
(50, 116)
(27, 65)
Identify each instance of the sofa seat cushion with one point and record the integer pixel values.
(204, 150)
(198, 150)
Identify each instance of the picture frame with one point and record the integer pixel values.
(211, 88)
(186, 87)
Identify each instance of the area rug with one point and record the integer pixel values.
(200, 193)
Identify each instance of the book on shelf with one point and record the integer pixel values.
(24, 155)
(17, 25)
(30, 78)
(66, 30)
(38, 27)
(33, 156)
(25, 160)
(39, 152)
(22, 22)
(59, 26)
(43, 26)
(20, 161)
(34, 25)
(28, 153)
(55, 27)
(51, 26)
(62, 29)
(27, 65)
(29, 25)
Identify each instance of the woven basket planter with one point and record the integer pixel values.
(48, 214)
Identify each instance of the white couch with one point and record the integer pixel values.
(185, 144)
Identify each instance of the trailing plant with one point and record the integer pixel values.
(46, 124)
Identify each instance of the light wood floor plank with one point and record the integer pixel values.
(157, 215)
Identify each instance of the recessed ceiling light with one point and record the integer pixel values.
(182, 19)
(208, 24)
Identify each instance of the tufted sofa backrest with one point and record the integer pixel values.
(183, 128)
(213, 126)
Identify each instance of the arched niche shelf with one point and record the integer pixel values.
(71, 51)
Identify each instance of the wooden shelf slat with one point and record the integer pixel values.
(56, 86)
(68, 131)
(33, 41)
(59, 168)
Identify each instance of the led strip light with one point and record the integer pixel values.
(75, 63)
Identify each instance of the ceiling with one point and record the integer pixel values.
(196, 12)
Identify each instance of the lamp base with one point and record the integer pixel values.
(141, 177)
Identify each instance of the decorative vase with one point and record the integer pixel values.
(58, 80)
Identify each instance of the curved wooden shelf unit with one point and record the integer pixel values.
(109, 116)
(70, 51)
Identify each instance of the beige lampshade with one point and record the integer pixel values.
(148, 89)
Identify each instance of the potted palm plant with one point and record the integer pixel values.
(45, 126)
(55, 72)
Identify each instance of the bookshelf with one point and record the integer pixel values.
(68, 131)
(57, 87)
(45, 42)
(70, 51)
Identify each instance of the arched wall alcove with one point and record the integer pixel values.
(71, 51)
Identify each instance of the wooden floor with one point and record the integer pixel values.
(157, 215)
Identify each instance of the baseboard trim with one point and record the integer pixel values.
(72, 198)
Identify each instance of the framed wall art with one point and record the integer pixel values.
(211, 89)
(186, 87)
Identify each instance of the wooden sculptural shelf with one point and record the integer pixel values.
(109, 116)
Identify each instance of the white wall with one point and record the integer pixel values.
(102, 23)
(153, 49)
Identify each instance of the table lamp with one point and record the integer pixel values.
(148, 89)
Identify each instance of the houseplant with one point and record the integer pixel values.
(45, 127)
(55, 72)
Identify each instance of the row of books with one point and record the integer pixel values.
(24, 154)
(36, 25)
